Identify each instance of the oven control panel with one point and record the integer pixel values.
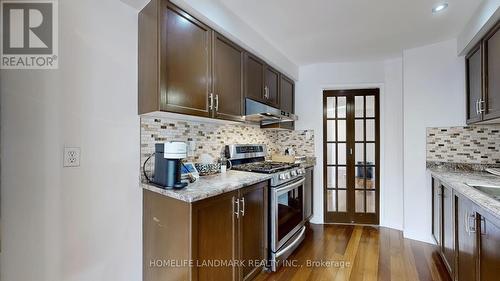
(286, 176)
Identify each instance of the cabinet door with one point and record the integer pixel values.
(492, 67)
(474, 81)
(448, 235)
(308, 194)
(252, 229)
(187, 66)
(271, 87)
(436, 211)
(466, 239)
(287, 99)
(254, 78)
(489, 247)
(214, 237)
(227, 79)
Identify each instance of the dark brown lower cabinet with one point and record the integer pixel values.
(437, 190)
(448, 239)
(488, 231)
(218, 238)
(466, 239)
(251, 229)
(470, 236)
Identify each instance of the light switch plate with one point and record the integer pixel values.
(71, 157)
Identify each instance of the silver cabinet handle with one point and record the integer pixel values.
(211, 101)
(243, 206)
(483, 226)
(237, 212)
(266, 92)
(481, 107)
(477, 107)
(466, 222)
(216, 102)
(472, 229)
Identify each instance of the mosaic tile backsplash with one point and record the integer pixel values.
(210, 138)
(472, 144)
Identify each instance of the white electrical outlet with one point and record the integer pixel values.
(71, 157)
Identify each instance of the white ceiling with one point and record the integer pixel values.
(314, 31)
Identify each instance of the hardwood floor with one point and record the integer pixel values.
(360, 253)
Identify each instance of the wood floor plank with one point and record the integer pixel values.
(374, 253)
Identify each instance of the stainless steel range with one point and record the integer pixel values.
(286, 206)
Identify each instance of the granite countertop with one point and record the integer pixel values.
(208, 186)
(456, 179)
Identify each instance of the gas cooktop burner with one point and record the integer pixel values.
(266, 167)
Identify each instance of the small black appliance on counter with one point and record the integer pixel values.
(168, 164)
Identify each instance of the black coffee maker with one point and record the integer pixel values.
(168, 164)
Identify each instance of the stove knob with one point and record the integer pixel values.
(299, 171)
(282, 176)
(294, 173)
(287, 175)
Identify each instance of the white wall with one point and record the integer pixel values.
(74, 223)
(385, 75)
(434, 95)
(230, 25)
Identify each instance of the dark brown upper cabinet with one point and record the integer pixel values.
(254, 77)
(272, 87)
(187, 67)
(474, 84)
(482, 83)
(174, 61)
(491, 47)
(227, 79)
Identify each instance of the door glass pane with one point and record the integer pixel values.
(370, 201)
(359, 132)
(330, 153)
(370, 130)
(331, 177)
(330, 130)
(360, 201)
(370, 154)
(330, 107)
(342, 207)
(359, 106)
(341, 107)
(342, 177)
(341, 153)
(370, 177)
(370, 106)
(360, 153)
(341, 130)
(330, 202)
(360, 177)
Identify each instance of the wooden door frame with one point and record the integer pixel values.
(348, 217)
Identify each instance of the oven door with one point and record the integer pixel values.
(287, 212)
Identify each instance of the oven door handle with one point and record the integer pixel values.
(279, 253)
(290, 187)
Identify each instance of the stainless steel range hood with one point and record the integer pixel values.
(259, 112)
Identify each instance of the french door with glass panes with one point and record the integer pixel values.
(351, 156)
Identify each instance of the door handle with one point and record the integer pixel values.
(243, 206)
(472, 229)
(481, 103)
(266, 92)
(211, 101)
(237, 212)
(217, 102)
(483, 226)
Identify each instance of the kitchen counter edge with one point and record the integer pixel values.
(457, 179)
(209, 186)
